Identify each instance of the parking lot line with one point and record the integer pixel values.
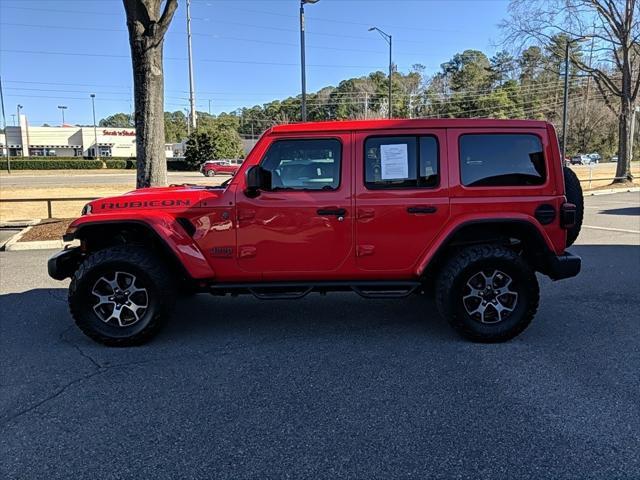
(612, 229)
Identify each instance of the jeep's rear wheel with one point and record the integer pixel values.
(487, 293)
(121, 296)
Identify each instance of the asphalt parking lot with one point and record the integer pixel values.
(332, 387)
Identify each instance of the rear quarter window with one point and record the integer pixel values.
(511, 159)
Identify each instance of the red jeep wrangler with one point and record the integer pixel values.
(470, 209)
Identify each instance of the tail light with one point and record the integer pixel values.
(567, 215)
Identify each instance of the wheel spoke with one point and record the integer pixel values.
(117, 315)
(479, 310)
(473, 294)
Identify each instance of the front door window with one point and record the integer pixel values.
(301, 223)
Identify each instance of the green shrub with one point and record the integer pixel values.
(71, 163)
(45, 164)
(120, 164)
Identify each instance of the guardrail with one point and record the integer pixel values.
(49, 201)
(591, 179)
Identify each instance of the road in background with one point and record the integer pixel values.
(74, 178)
(332, 387)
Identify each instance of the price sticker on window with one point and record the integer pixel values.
(394, 162)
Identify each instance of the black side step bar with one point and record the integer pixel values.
(294, 290)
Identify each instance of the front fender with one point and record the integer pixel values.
(166, 229)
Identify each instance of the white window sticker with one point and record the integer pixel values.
(394, 162)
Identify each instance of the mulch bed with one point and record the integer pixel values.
(51, 229)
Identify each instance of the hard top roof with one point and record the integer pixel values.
(406, 123)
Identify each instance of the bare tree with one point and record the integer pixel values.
(614, 26)
(148, 22)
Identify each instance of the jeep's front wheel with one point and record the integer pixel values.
(487, 293)
(121, 296)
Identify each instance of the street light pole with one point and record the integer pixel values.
(388, 38)
(303, 60)
(62, 109)
(192, 96)
(5, 146)
(565, 107)
(95, 129)
(633, 129)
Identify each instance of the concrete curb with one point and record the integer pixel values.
(37, 245)
(13, 240)
(14, 244)
(611, 190)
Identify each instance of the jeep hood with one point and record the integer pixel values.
(177, 197)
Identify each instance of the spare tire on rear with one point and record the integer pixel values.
(573, 192)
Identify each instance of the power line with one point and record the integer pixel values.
(209, 60)
(219, 37)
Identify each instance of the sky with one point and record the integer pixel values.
(245, 52)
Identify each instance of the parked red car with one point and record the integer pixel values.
(467, 209)
(211, 168)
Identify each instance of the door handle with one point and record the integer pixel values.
(428, 209)
(338, 212)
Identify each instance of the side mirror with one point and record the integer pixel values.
(256, 179)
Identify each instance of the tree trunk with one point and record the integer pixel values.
(623, 170)
(149, 107)
(147, 27)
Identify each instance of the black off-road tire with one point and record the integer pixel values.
(451, 287)
(153, 275)
(573, 192)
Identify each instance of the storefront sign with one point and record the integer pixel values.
(119, 133)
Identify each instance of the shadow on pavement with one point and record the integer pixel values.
(633, 211)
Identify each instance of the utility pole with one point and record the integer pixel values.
(302, 60)
(366, 105)
(209, 106)
(389, 40)
(192, 99)
(95, 128)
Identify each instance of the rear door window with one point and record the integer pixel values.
(401, 162)
(489, 160)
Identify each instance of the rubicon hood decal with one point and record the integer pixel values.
(111, 205)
